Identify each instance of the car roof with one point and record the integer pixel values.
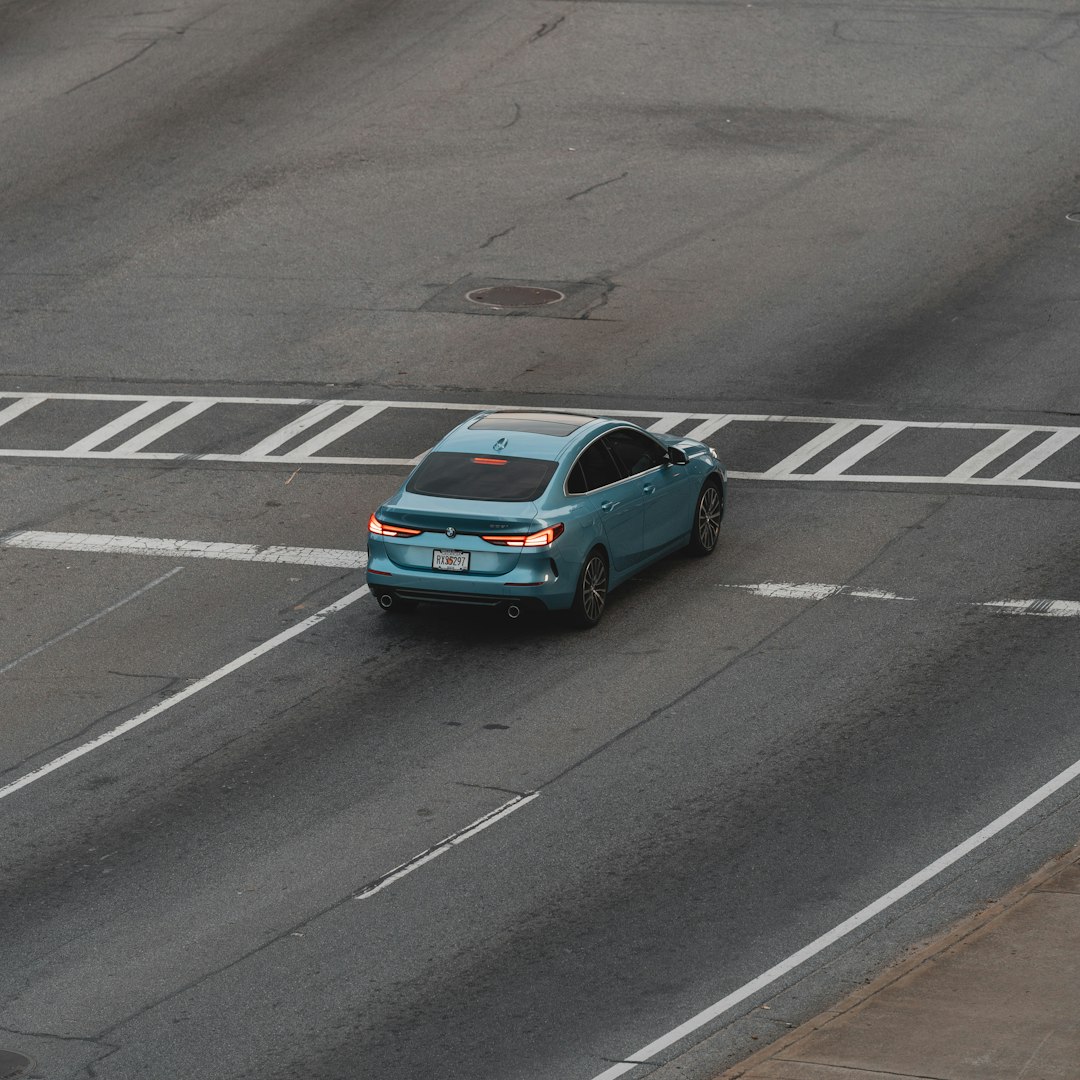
(523, 433)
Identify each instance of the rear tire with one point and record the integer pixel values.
(590, 598)
(708, 514)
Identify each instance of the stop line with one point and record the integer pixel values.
(347, 432)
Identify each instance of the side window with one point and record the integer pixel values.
(634, 450)
(594, 469)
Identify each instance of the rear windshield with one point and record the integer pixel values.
(485, 477)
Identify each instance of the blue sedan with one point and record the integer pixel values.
(542, 510)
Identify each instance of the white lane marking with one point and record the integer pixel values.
(875, 594)
(812, 590)
(182, 695)
(790, 590)
(814, 447)
(162, 427)
(1015, 475)
(1054, 609)
(709, 427)
(444, 845)
(335, 431)
(840, 931)
(192, 549)
(114, 427)
(291, 430)
(669, 420)
(888, 478)
(90, 620)
(1034, 458)
(17, 408)
(978, 462)
(861, 449)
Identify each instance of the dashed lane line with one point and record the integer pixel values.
(815, 590)
(348, 559)
(192, 549)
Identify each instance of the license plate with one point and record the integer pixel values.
(450, 560)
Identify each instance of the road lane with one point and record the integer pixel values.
(785, 209)
(359, 769)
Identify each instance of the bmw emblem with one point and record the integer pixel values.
(451, 531)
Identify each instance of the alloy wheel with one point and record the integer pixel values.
(594, 588)
(710, 514)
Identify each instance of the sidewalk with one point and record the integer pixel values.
(996, 998)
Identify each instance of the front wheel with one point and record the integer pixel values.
(707, 517)
(592, 590)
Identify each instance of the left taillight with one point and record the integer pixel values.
(380, 528)
(536, 539)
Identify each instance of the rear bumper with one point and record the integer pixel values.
(536, 582)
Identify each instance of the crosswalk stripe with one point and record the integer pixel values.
(814, 447)
(328, 422)
(17, 408)
(121, 423)
(162, 427)
(1034, 458)
(292, 429)
(861, 449)
(977, 462)
(335, 431)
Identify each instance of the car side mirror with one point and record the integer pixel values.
(676, 456)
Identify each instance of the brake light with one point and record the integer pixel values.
(380, 528)
(489, 460)
(536, 539)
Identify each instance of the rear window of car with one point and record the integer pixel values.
(485, 477)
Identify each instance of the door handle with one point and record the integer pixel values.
(648, 489)
(607, 507)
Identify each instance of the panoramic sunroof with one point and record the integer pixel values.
(537, 423)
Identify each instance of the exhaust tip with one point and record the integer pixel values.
(513, 611)
(386, 601)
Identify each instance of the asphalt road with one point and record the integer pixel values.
(226, 777)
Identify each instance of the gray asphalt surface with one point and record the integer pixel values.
(790, 208)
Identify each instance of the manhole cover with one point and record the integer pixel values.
(12, 1064)
(514, 296)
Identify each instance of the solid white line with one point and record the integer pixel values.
(860, 918)
(192, 549)
(162, 427)
(444, 845)
(114, 427)
(979, 481)
(182, 695)
(92, 619)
